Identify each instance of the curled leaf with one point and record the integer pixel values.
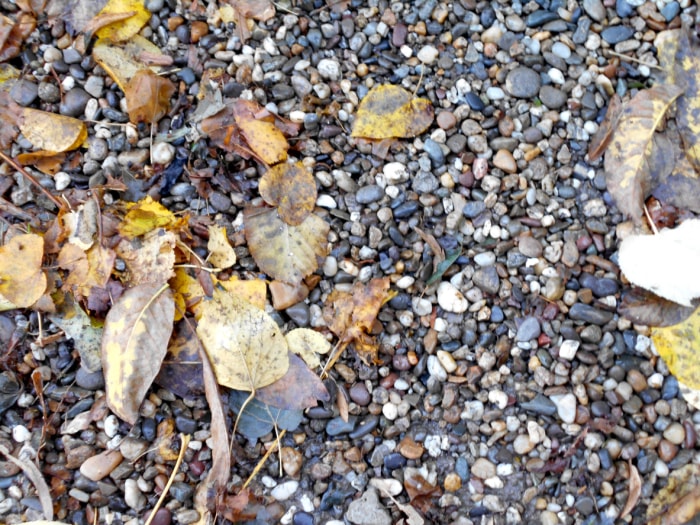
(51, 132)
(148, 96)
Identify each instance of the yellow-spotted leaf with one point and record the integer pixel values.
(221, 254)
(254, 291)
(246, 347)
(286, 252)
(22, 282)
(123, 30)
(123, 61)
(291, 187)
(85, 333)
(626, 159)
(52, 132)
(147, 215)
(679, 346)
(389, 111)
(136, 334)
(149, 259)
(308, 344)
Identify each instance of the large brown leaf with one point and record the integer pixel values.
(627, 157)
(148, 97)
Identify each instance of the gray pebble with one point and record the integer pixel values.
(552, 97)
(616, 34)
(472, 209)
(49, 92)
(24, 92)
(589, 314)
(337, 426)
(487, 280)
(74, 102)
(95, 86)
(425, 182)
(299, 313)
(435, 153)
(528, 330)
(89, 380)
(540, 405)
(523, 82)
(595, 9)
(369, 194)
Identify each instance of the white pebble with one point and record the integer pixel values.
(568, 349)
(566, 406)
(61, 180)
(395, 173)
(111, 426)
(20, 434)
(284, 490)
(556, 76)
(495, 93)
(390, 411)
(162, 153)
(329, 69)
(421, 306)
(428, 54)
(451, 299)
(326, 201)
(498, 398)
(405, 282)
(447, 361)
(435, 369)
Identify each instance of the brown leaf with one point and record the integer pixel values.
(14, 33)
(679, 501)
(136, 334)
(390, 111)
(292, 188)
(122, 61)
(643, 307)
(11, 115)
(298, 389)
(149, 259)
(602, 137)
(420, 491)
(286, 252)
(87, 269)
(22, 282)
(626, 160)
(148, 97)
(681, 188)
(635, 490)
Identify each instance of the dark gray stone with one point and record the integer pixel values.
(369, 194)
(74, 102)
(487, 280)
(552, 97)
(589, 314)
(616, 34)
(523, 82)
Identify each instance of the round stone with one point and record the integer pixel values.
(451, 299)
(523, 82)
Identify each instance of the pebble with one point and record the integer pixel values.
(594, 9)
(483, 469)
(61, 180)
(566, 406)
(284, 490)
(451, 299)
(163, 153)
(589, 314)
(329, 69)
(529, 329)
(101, 465)
(368, 510)
(503, 159)
(74, 102)
(487, 280)
(523, 82)
(337, 426)
(568, 349)
(552, 97)
(522, 444)
(675, 433)
(616, 34)
(428, 54)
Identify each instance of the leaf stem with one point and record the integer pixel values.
(17, 166)
(261, 463)
(185, 440)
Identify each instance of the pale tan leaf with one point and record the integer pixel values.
(221, 254)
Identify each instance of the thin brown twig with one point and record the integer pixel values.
(17, 166)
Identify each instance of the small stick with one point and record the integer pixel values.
(17, 166)
(632, 59)
(183, 447)
(264, 459)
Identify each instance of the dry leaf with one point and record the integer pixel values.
(645, 308)
(14, 33)
(136, 334)
(221, 254)
(635, 490)
(122, 61)
(181, 372)
(297, 389)
(52, 132)
(125, 29)
(33, 474)
(679, 347)
(245, 345)
(187, 291)
(86, 335)
(292, 188)
(389, 111)
(22, 282)
(243, 10)
(626, 160)
(81, 224)
(666, 263)
(87, 269)
(287, 253)
(602, 137)
(679, 501)
(147, 215)
(307, 344)
(254, 291)
(149, 259)
(148, 97)
(11, 115)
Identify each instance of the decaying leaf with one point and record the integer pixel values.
(244, 11)
(421, 488)
(635, 490)
(679, 501)
(292, 188)
(286, 252)
(681, 187)
(679, 346)
(11, 115)
(221, 254)
(86, 334)
(601, 139)
(14, 33)
(389, 111)
(307, 344)
(351, 316)
(87, 269)
(147, 215)
(246, 347)
(258, 419)
(626, 159)
(136, 334)
(52, 132)
(666, 263)
(298, 389)
(646, 308)
(123, 61)
(148, 97)
(187, 291)
(22, 282)
(149, 259)
(254, 291)
(123, 30)
(181, 372)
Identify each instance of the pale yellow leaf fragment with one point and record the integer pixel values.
(308, 344)
(679, 346)
(221, 254)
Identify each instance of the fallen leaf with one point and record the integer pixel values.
(135, 342)
(420, 490)
(291, 187)
(691, 395)
(81, 224)
(679, 347)
(258, 419)
(243, 10)
(124, 29)
(602, 137)
(389, 111)
(221, 254)
(681, 187)
(46, 162)
(14, 33)
(187, 291)
(666, 263)
(148, 97)
(87, 269)
(22, 282)
(285, 252)
(679, 501)
(149, 259)
(297, 389)
(646, 308)
(635, 490)
(147, 215)
(246, 347)
(627, 174)
(52, 132)
(181, 371)
(76, 14)
(307, 344)
(350, 316)
(122, 61)
(285, 295)
(443, 266)
(254, 290)
(86, 334)
(11, 115)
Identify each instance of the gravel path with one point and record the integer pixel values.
(511, 391)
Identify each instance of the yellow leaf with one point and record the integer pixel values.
(292, 188)
(136, 334)
(389, 111)
(187, 291)
(287, 253)
(679, 346)
(88, 269)
(52, 132)
(149, 259)
(123, 61)
(21, 280)
(308, 344)
(254, 291)
(626, 159)
(221, 254)
(147, 215)
(246, 347)
(679, 500)
(124, 29)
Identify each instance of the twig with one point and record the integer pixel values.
(261, 463)
(17, 166)
(632, 59)
(183, 447)
(34, 474)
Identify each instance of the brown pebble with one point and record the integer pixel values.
(503, 159)
(197, 30)
(388, 381)
(97, 467)
(409, 449)
(398, 37)
(353, 454)
(636, 380)
(466, 179)
(452, 482)
(174, 22)
(163, 517)
(359, 394)
(667, 450)
(292, 460)
(691, 436)
(506, 126)
(446, 120)
(529, 246)
(412, 357)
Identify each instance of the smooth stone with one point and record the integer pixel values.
(616, 34)
(395, 173)
(487, 279)
(552, 97)
(475, 101)
(529, 246)
(337, 426)
(74, 102)
(359, 394)
(589, 314)
(101, 465)
(428, 54)
(368, 510)
(540, 405)
(451, 299)
(522, 444)
(566, 407)
(483, 469)
(528, 330)
(435, 153)
(329, 69)
(675, 433)
(133, 497)
(472, 209)
(540, 17)
(24, 92)
(670, 11)
(369, 194)
(595, 9)
(299, 313)
(89, 380)
(285, 490)
(523, 82)
(504, 160)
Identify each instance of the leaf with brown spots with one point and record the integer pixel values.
(136, 334)
(292, 188)
(22, 281)
(389, 111)
(286, 252)
(148, 97)
(51, 132)
(679, 501)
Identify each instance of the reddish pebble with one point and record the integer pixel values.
(466, 179)
(197, 467)
(388, 381)
(446, 120)
(359, 394)
(583, 242)
(667, 450)
(409, 449)
(543, 340)
(163, 517)
(398, 37)
(691, 437)
(480, 168)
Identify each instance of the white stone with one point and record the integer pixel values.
(387, 486)
(20, 433)
(566, 406)
(451, 299)
(390, 411)
(284, 490)
(111, 425)
(61, 180)
(428, 54)
(421, 306)
(498, 398)
(405, 282)
(329, 69)
(447, 361)
(435, 369)
(495, 93)
(556, 76)
(395, 173)
(162, 153)
(522, 444)
(133, 496)
(326, 201)
(568, 349)
(297, 116)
